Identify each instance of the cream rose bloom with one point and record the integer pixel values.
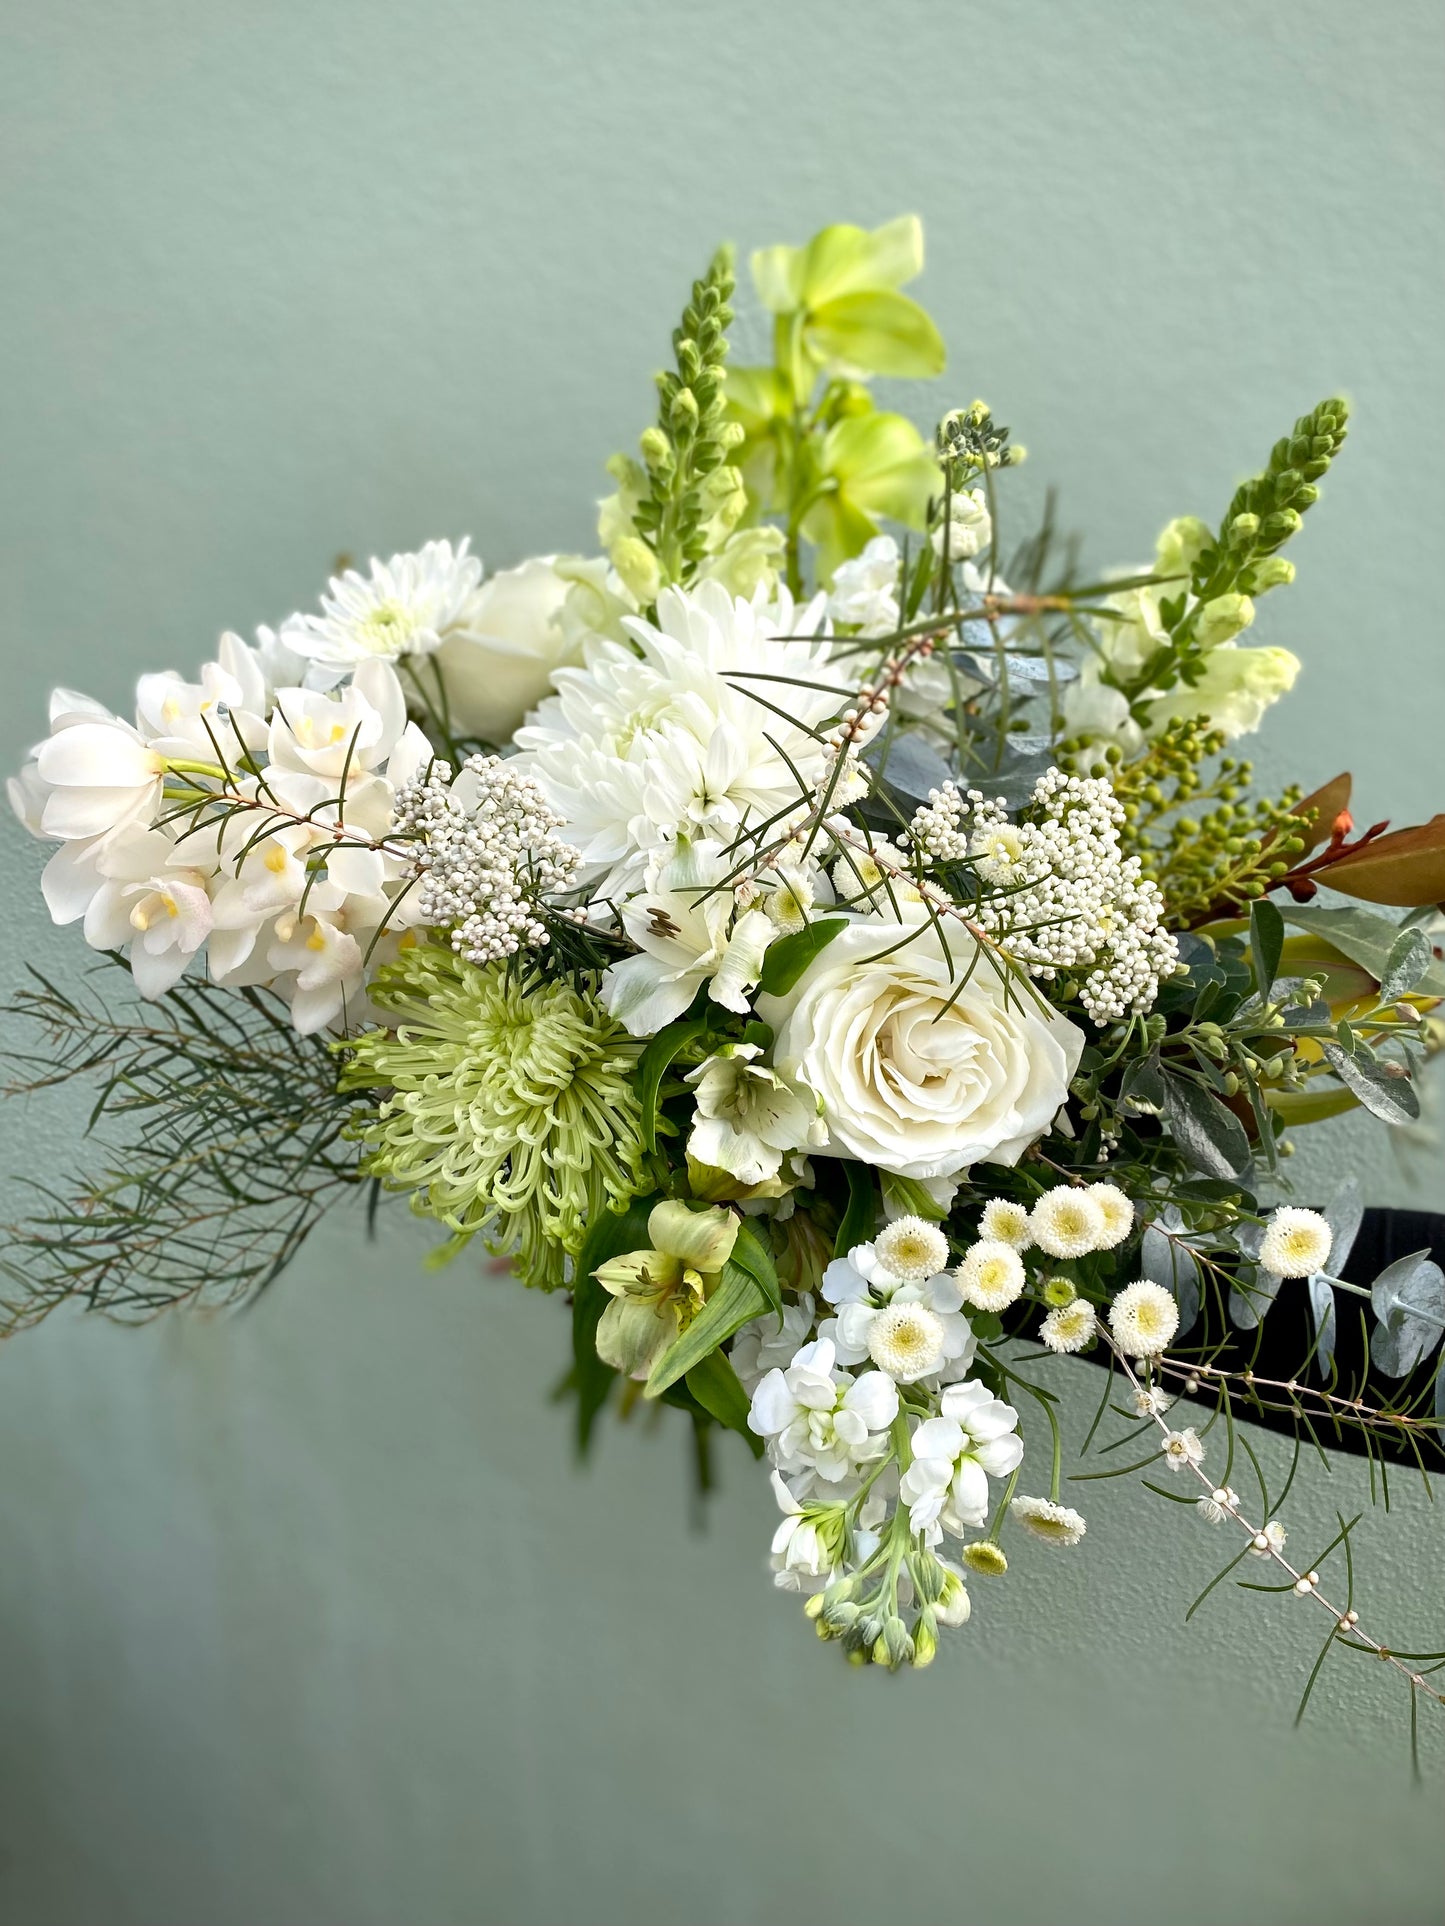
(515, 637)
(906, 1084)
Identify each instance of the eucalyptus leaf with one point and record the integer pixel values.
(1408, 1298)
(1017, 668)
(909, 764)
(1409, 960)
(1211, 1137)
(1344, 1214)
(1364, 936)
(1391, 1099)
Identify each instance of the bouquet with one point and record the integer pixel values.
(833, 946)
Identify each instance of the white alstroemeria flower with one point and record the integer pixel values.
(764, 1345)
(817, 1418)
(688, 933)
(918, 1331)
(150, 901)
(954, 1455)
(410, 605)
(746, 1116)
(93, 776)
(865, 589)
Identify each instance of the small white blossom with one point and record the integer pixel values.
(973, 1439)
(1151, 1401)
(991, 1275)
(1143, 1318)
(1296, 1243)
(912, 1248)
(1182, 1449)
(1070, 1327)
(865, 589)
(817, 1418)
(969, 528)
(1066, 1222)
(1268, 1541)
(1217, 1505)
(763, 1346)
(1005, 1222)
(1055, 1524)
(914, 1330)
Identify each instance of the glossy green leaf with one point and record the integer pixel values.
(1266, 941)
(788, 956)
(862, 1212)
(750, 1254)
(719, 1391)
(654, 1063)
(736, 1301)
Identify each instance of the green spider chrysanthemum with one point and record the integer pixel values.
(511, 1109)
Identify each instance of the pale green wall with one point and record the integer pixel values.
(307, 1617)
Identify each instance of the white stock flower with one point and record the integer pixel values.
(500, 665)
(1044, 1518)
(1005, 1222)
(1296, 1243)
(407, 606)
(817, 1418)
(1067, 1222)
(865, 589)
(688, 932)
(807, 1544)
(1143, 1318)
(973, 1439)
(991, 1276)
(915, 1075)
(764, 1345)
(1182, 1449)
(1069, 1327)
(660, 738)
(746, 1118)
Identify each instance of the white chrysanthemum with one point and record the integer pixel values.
(407, 606)
(1005, 1222)
(1296, 1243)
(991, 1275)
(912, 1249)
(1066, 1222)
(1219, 1503)
(662, 737)
(1070, 1327)
(1055, 1524)
(1182, 1449)
(907, 1341)
(1117, 1213)
(1143, 1317)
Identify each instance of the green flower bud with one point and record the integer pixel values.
(656, 448)
(1058, 1291)
(925, 1640)
(637, 565)
(1243, 529)
(1223, 619)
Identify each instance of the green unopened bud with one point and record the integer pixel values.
(1058, 1292)
(897, 1645)
(986, 1558)
(1275, 571)
(1223, 619)
(1243, 529)
(656, 448)
(925, 1640)
(637, 565)
(1279, 526)
(684, 412)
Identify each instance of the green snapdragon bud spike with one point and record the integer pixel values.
(686, 452)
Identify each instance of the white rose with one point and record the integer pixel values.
(502, 665)
(913, 1076)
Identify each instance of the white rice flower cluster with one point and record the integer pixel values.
(488, 855)
(1074, 902)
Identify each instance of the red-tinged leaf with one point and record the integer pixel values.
(1405, 868)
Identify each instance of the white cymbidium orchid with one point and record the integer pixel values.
(93, 776)
(954, 1456)
(146, 899)
(688, 931)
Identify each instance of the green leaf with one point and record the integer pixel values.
(609, 1235)
(736, 1301)
(653, 1065)
(1391, 1099)
(862, 1212)
(878, 332)
(750, 1254)
(1266, 941)
(1364, 936)
(1211, 1137)
(719, 1391)
(789, 956)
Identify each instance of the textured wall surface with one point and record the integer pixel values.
(307, 1616)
